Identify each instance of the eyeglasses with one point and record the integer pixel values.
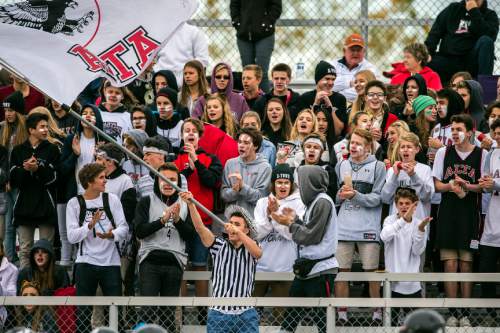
(222, 77)
(375, 95)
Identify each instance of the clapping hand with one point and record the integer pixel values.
(424, 223)
(237, 181)
(286, 218)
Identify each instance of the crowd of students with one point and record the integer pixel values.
(405, 174)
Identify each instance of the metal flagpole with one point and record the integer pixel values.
(139, 160)
(136, 158)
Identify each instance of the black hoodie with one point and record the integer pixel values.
(60, 276)
(459, 30)
(35, 204)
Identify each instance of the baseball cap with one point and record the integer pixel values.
(354, 40)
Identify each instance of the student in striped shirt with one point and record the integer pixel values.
(234, 262)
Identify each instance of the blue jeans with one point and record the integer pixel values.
(258, 53)
(247, 322)
(10, 230)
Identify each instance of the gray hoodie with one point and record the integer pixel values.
(359, 217)
(256, 179)
(316, 235)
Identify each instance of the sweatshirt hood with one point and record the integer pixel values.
(169, 77)
(369, 159)
(98, 118)
(258, 160)
(422, 86)
(44, 245)
(139, 137)
(313, 180)
(230, 84)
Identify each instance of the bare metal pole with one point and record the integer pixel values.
(136, 158)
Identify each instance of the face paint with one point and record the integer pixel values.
(185, 136)
(139, 122)
(428, 112)
(363, 125)
(360, 149)
(443, 111)
(313, 151)
(461, 136)
(491, 121)
(117, 97)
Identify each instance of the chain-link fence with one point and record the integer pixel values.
(312, 30)
(265, 315)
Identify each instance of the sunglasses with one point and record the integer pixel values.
(222, 77)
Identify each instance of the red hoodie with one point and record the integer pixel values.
(400, 74)
(216, 142)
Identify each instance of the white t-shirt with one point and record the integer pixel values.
(94, 250)
(491, 233)
(115, 124)
(437, 169)
(87, 150)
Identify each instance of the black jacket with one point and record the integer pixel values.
(256, 19)
(292, 105)
(459, 30)
(35, 203)
(338, 101)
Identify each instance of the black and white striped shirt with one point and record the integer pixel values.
(233, 273)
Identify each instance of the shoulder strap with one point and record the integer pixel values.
(83, 209)
(109, 215)
(107, 209)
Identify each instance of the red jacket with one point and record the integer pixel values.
(216, 142)
(203, 180)
(400, 74)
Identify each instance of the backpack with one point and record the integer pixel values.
(107, 210)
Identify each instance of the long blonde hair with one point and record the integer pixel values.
(295, 135)
(54, 130)
(410, 137)
(402, 129)
(17, 128)
(227, 116)
(359, 103)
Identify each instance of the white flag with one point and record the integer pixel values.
(62, 45)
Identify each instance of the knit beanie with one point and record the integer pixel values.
(169, 93)
(421, 102)
(14, 101)
(322, 69)
(282, 171)
(111, 152)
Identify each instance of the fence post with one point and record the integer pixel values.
(364, 23)
(387, 309)
(330, 319)
(113, 317)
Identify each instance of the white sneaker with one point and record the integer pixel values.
(452, 322)
(377, 315)
(342, 315)
(464, 322)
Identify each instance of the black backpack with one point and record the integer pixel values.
(107, 210)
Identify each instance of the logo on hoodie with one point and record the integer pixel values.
(463, 27)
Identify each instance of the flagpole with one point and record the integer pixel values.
(140, 161)
(136, 158)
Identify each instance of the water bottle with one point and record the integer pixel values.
(299, 70)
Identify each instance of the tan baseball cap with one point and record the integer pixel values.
(354, 40)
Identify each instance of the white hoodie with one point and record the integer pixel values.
(404, 244)
(8, 284)
(279, 251)
(94, 250)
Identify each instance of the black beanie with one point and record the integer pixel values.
(322, 69)
(14, 101)
(282, 171)
(169, 93)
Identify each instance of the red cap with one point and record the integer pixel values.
(354, 40)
